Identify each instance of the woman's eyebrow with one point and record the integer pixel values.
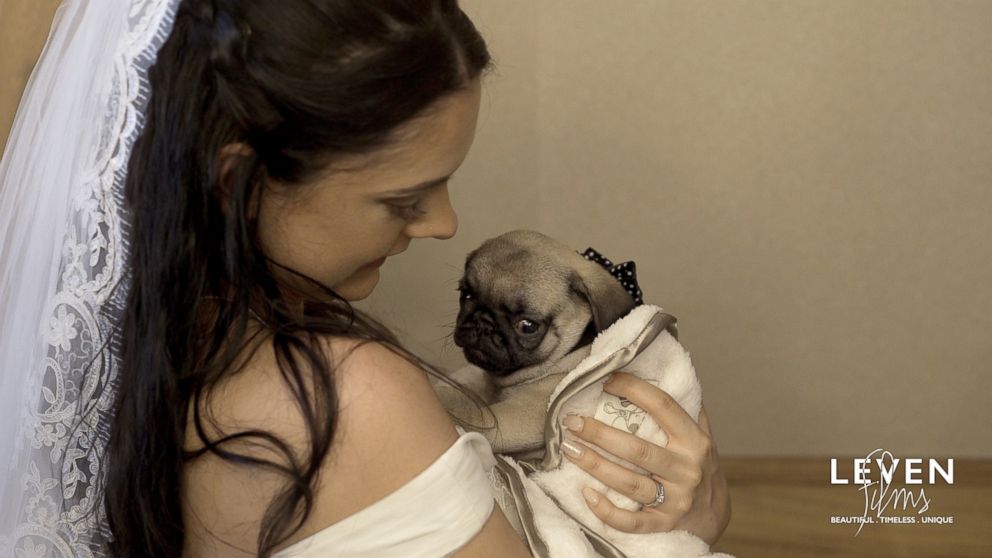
(419, 187)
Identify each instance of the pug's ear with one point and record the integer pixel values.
(607, 299)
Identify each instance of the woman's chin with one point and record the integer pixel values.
(359, 285)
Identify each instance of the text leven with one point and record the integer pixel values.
(912, 469)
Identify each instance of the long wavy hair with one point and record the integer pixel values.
(301, 82)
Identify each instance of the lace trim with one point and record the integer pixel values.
(68, 427)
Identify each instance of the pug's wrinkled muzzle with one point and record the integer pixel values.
(483, 344)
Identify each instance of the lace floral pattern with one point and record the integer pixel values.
(68, 426)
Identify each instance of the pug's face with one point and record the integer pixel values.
(528, 299)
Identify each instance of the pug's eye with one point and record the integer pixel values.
(466, 293)
(526, 326)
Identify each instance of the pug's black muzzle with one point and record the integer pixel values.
(484, 344)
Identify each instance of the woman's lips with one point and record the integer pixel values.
(376, 263)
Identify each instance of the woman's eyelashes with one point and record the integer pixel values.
(408, 210)
(411, 208)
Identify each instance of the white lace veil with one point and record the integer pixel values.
(63, 247)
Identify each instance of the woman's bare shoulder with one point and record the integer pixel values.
(371, 384)
(389, 428)
(392, 428)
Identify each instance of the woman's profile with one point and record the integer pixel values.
(287, 150)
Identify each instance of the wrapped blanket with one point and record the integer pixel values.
(540, 492)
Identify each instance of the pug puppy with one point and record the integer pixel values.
(530, 308)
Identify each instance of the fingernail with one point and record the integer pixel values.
(572, 422)
(590, 495)
(571, 449)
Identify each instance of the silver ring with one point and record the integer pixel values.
(658, 498)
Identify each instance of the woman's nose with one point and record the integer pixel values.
(439, 222)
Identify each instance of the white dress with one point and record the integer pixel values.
(433, 515)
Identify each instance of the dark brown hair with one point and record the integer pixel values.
(300, 82)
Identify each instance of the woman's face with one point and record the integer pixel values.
(340, 229)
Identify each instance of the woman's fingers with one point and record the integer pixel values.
(696, 495)
(665, 410)
(624, 520)
(627, 446)
(634, 485)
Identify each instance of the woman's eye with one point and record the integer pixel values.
(408, 211)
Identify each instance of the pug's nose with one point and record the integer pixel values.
(485, 321)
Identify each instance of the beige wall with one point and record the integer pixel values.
(804, 184)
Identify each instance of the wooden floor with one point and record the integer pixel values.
(783, 507)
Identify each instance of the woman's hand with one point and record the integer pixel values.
(696, 496)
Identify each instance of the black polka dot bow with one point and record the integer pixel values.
(626, 273)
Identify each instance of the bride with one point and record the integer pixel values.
(204, 387)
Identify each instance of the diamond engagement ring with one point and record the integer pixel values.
(658, 498)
